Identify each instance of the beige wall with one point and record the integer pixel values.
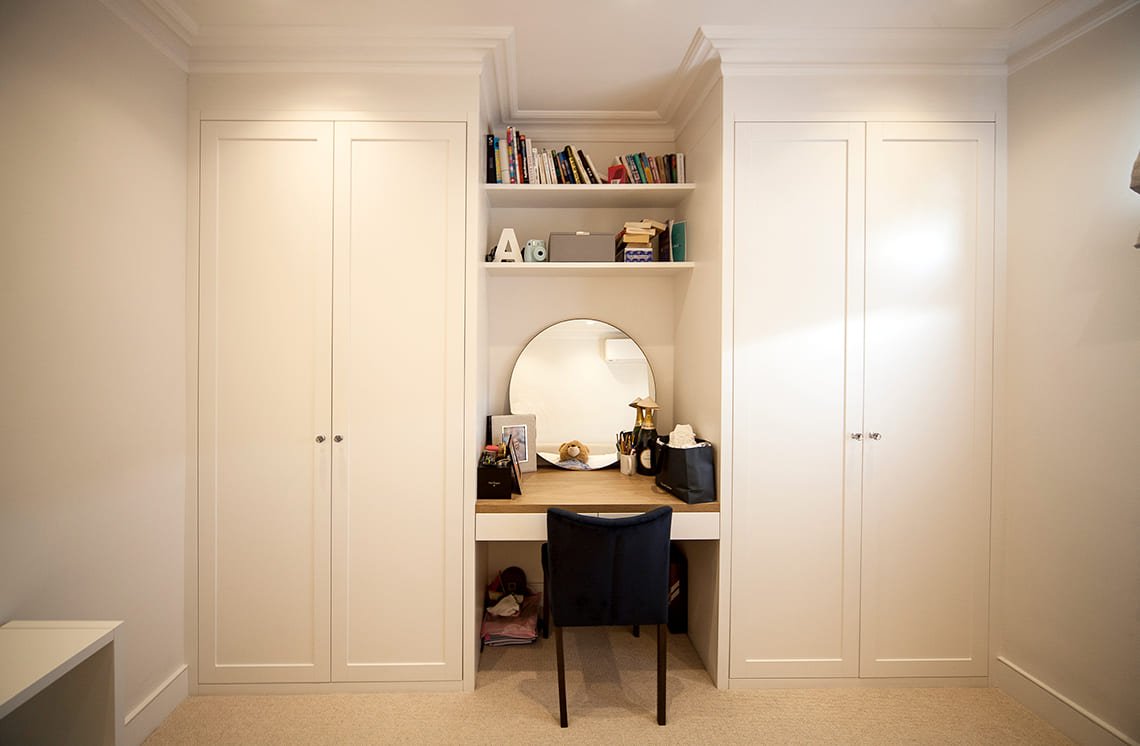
(1069, 479)
(92, 318)
(453, 96)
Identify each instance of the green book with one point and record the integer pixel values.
(677, 238)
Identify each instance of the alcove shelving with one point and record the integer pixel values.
(587, 195)
(582, 269)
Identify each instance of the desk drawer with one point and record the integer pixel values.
(532, 526)
(686, 525)
(511, 526)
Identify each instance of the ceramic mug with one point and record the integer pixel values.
(625, 463)
(535, 250)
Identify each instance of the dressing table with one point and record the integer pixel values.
(560, 359)
(607, 493)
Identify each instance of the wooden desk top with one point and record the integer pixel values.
(602, 491)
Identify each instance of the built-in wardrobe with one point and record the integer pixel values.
(330, 388)
(862, 386)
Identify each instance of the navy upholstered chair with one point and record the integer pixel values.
(607, 571)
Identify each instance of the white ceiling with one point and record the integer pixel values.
(624, 55)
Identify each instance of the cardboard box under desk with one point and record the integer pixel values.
(580, 247)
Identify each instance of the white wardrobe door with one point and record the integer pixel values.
(926, 487)
(398, 401)
(264, 359)
(797, 366)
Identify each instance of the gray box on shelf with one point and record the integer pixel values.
(580, 247)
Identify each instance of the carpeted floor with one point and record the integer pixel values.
(611, 692)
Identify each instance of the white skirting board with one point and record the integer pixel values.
(157, 706)
(1051, 705)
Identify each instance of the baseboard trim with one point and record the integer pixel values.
(837, 682)
(1064, 714)
(331, 687)
(156, 707)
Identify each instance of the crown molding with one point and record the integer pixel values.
(431, 50)
(596, 127)
(162, 31)
(690, 73)
(713, 53)
(170, 13)
(906, 47)
(1044, 33)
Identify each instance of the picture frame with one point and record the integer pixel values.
(521, 428)
(516, 475)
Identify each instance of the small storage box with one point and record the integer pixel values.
(580, 247)
(494, 483)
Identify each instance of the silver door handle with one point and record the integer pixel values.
(320, 439)
(875, 436)
(856, 436)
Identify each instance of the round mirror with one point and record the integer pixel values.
(578, 377)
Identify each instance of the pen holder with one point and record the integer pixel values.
(625, 463)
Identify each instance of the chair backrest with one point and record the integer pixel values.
(608, 571)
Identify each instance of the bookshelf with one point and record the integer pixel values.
(587, 195)
(588, 269)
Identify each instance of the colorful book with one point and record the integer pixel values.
(656, 175)
(511, 163)
(490, 174)
(590, 165)
(591, 177)
(631, 168)
(677, 240)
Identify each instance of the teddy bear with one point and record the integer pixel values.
(574, 450)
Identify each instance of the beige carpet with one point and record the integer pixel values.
(612, 699)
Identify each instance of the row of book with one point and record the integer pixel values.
(639, 168)
(515, 159)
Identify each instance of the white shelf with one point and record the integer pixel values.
(583, 269)
(587, 195)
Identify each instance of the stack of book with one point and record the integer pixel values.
(514, 159)
(639, 168)
(638, 241)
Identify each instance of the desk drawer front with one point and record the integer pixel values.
(532, 526)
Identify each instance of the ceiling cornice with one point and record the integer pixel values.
(436, 49)
(752, 50)
(1058, 24)
(714, 52)
(161, 30)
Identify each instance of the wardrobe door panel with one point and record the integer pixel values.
(398, 392)
(264, 359)
(797, 366)
(928, 394)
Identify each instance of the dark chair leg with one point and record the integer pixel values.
(545, 597)
(561, 676)
(637, 630)
(661, 635)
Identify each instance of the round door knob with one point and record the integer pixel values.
(856, 436)
(875, 436)
(338, 438)
(320, 439)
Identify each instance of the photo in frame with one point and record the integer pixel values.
(521, 429)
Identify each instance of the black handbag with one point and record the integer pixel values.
(689, 474)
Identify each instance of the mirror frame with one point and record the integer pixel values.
(603, 460)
